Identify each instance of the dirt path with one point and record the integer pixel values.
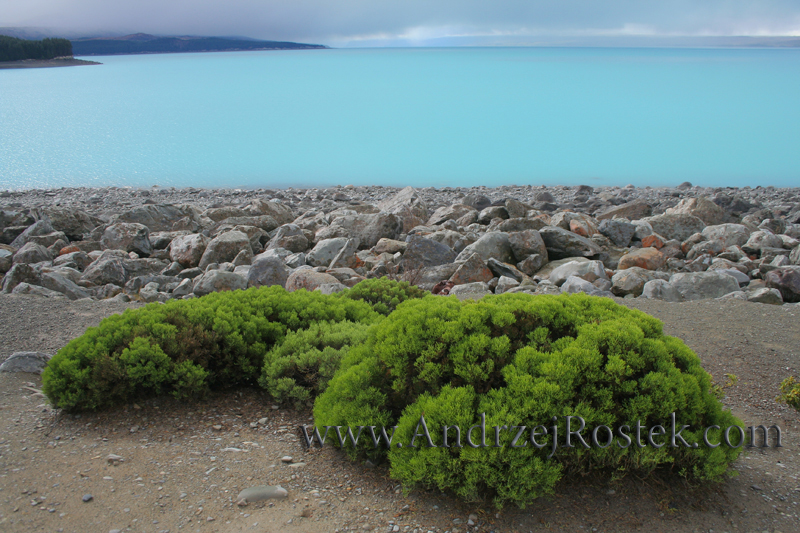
(184, 464)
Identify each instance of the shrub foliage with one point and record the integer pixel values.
(521, 361)
(186, 347)
(383, 294)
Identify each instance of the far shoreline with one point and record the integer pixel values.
(46, 63)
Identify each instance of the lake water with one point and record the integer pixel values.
(422, 117)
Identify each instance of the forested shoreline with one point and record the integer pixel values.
(13, 49)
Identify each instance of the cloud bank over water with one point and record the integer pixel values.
(411, 22)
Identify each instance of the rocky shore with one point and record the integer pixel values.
(674, 244)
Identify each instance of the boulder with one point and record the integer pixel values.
(450, 212)
(647, 258)
(504, 269)
(31, 362)
(188, 249)
(368, 228)
(56, 239)
(31, 253)
(217, 281)
(786, 280)
(281, 213)
(532, 264)
(679, 226)
(561, 243)
(308, 279)
(20, 273)
(325, 250)
(618, 231)
(289, 237)
(727, 234)
(425, 253)
(471, 291)
(433, 275)
(106, 269)
(130, 237)
(660, 289)
(493, 244)
(702, 208)
(702, 285)
(477, 201)
(526, 243)
(632, 280)
(6, 260)
(35, 290)
(472, 270)
(72, 222)
(574, 284)
(765, 295)
(632, 210)
(492, 212)
(390, 246)
(408, 206)
(761, 239)
(587, 270)
(504, 284)
(518, 224)
(347, 258)
(41, 227)
(158, 217)
(59, 283)
(224, 248)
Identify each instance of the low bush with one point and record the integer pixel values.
(299, 368)
(383, 294)
(186, 347)
(790, 392)
(522, 360)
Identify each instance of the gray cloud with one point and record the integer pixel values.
(341, 21)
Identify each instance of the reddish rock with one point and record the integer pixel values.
(472, 270)
(68, 250)
(647, 258)
(652, 241)
(443, 287)
(579, 227)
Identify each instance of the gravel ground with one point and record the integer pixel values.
(184, 464)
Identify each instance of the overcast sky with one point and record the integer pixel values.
(349, 22)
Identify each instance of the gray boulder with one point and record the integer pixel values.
(728, 234)
(423, 253)
(660, 289)
(32, 253)
(574, 284)
(493, 244)
(290, 237)
(308, 279)
(526, 243)
(41, 227)
(158, 217)
(106, 269)
(561, 243)
(632, 210)
(267, 270)
(588, 270)
(450, 212)
(130, 237)
(786, 280)
(765, 295)
(20, 273)
(471, 291)
(618, 231)
(325, 250)
(32, 362)
(702, 285)
(188, 249)
(433, 275)
(761, 239)
(368, 228)
(6, 260)
(501, 269)
(35, 290)
(73, 222)
(472, 270)
(408, 206)
(224, 248)
(679, 226)
(217, 281)
(59, 283)
(632, 280)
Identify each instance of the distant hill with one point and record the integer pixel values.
(143, 43)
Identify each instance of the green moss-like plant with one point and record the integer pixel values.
(186, 347)
(522, 360)
(790, 392)
(383, 294)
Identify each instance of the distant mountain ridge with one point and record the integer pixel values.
(144, 43)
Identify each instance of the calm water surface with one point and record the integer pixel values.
(458, 117)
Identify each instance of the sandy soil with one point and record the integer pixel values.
(184, 464)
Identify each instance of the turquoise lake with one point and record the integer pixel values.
(422, 117)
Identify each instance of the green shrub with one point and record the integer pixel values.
(299, 368)
(383, 294)
(522, 360)
(790, 392)
(186, 347)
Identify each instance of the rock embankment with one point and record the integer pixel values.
(674, 244)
